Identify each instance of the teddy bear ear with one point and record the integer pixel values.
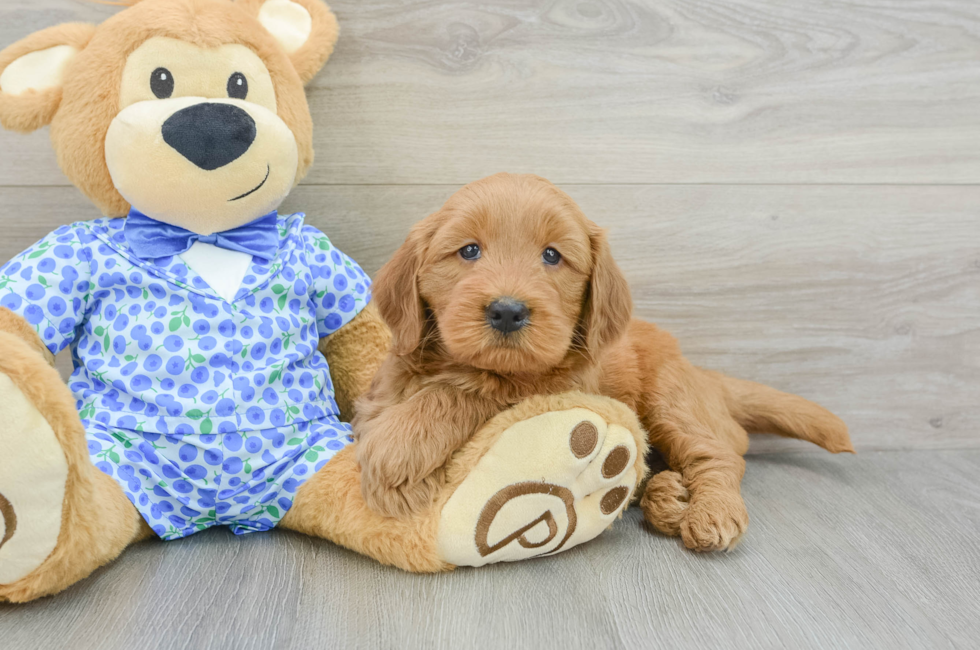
(32, 72)
(306, 29)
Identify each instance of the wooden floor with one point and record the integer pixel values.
(875, 551)
(792, 188)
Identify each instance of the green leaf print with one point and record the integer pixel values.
(311, 456)
(282, 301)
(294, 441)
(195, 414)
(206, 426)
(175, 323)
(99, 331)
(272, 510)
(114, 457)
(278, 288)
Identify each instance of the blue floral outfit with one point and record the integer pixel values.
(206, 412)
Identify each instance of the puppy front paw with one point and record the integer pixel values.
(391, 483)
(404, 500)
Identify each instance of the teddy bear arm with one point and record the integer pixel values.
(354, 353)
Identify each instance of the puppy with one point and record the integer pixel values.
(510, 291)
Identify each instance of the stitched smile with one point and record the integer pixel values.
(268, 170)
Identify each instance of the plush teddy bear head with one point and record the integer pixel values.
(191, 111)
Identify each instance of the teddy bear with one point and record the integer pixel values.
(218, 346)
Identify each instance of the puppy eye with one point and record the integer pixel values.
(162, 83)
(237, 86)
(470, 252)
(551, 256)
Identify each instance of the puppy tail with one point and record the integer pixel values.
(759, 408)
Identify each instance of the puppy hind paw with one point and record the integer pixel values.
(665, 502)
(715, 524)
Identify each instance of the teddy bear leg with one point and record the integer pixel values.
(330, 505)
(60, 517)
(549, 474)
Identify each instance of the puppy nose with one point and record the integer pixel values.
(507, 315)
(210, 135)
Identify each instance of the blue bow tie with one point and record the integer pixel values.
(150, 239)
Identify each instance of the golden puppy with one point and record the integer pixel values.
(510, 291)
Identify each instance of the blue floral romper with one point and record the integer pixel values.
(206, 412)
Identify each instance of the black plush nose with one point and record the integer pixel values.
(210, 135)
(507, 315)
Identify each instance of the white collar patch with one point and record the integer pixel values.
(223, 269)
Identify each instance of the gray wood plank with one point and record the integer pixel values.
(600, 91)
(862, 298)
(873, 551)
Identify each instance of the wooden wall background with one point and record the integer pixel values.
(793, 188)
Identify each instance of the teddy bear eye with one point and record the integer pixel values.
(162, 83)
(551, 256)
(237, 86)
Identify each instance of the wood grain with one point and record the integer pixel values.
(873, 551)
(615, 91)
(862, 298)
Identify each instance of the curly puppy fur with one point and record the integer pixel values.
(449, 371)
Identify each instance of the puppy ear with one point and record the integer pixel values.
(609, 305)
(306, 29)
(396, 292)
(32, 72)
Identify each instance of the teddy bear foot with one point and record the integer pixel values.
(60, 517)
(33, 472)
(559, 473)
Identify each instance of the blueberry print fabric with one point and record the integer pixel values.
(183, 483)
(205, 412)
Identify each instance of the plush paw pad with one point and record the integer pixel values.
(547, 484)
(33, 471)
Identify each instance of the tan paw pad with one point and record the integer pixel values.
(33, 471)
(549, 483)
